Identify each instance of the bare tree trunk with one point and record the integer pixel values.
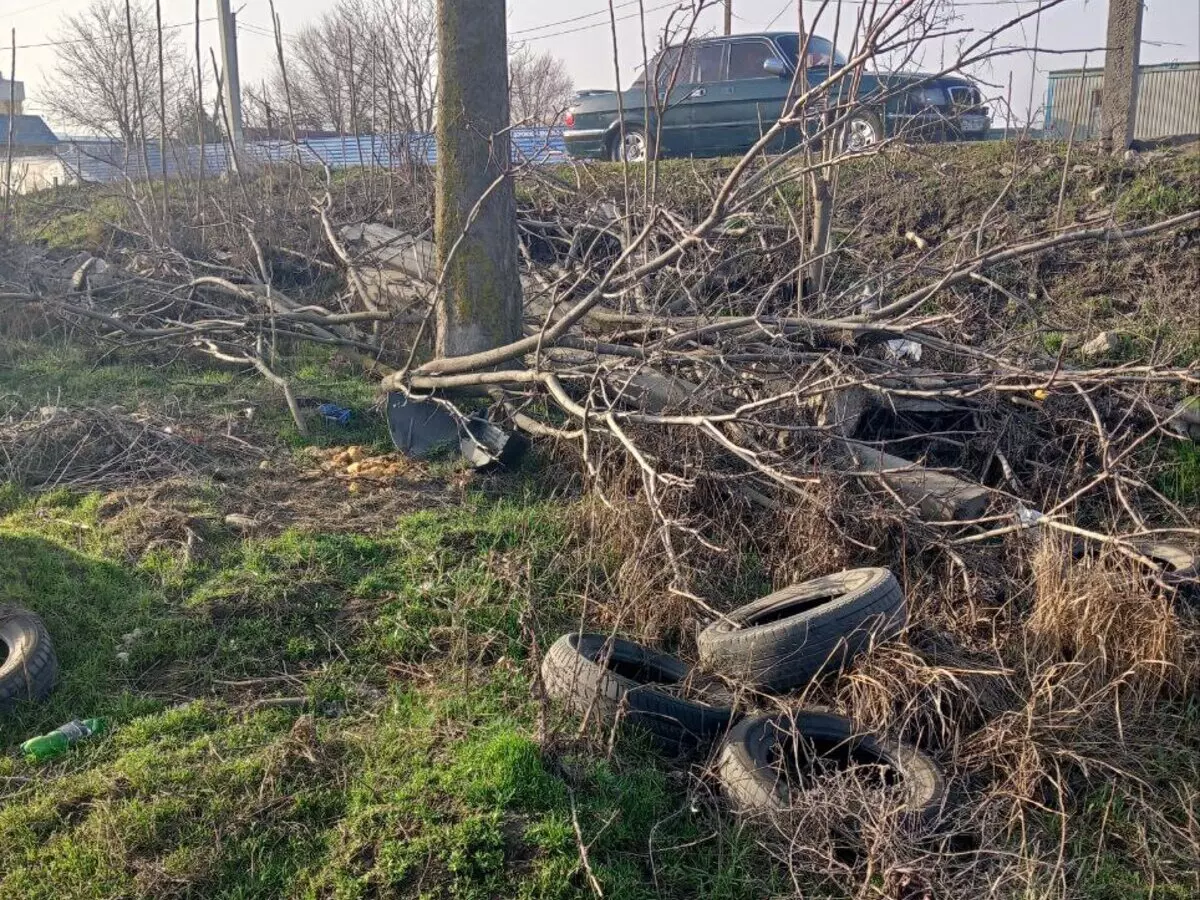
(479, 306)
(822, 223)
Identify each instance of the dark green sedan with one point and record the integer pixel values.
(717, 96)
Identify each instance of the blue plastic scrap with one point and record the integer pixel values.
(334, 414)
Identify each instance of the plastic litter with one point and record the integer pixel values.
(334, 414)
(422, 428)
(1029, 517)
(56, 743)
(903, 349)
(485, 445)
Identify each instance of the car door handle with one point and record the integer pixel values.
(698, 92)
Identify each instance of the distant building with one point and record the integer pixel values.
(34, 148)
(1168, 104)
(12, 97)
(30, 135)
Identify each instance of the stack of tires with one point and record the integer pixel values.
(777, 644)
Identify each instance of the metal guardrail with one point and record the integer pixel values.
(105, 161)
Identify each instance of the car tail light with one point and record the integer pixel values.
(569, 119)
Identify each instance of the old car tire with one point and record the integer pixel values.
(28, 664)
(1180, 568)
(863, 129)
(754, 782)
(787, 638)
(632, 132)
(616, 680)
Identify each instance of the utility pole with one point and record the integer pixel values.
(479, 304)
(1118, 108)
(729, 16)
(232, 80)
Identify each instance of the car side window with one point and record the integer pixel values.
(746, 59)
(820, 51)
(664, 66)
(710, 63)
(687, 66)
(675, 66)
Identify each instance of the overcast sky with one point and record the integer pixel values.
(578, 32)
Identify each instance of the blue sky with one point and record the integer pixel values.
(1171, 33)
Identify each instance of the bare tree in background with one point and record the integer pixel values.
(409, 32)
(92, 86)
(371, 65)
(540, 88)
(364, 65)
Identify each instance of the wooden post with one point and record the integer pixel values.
(479, 302)
(232, 79)
(1118, 110)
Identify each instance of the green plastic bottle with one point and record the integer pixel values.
(48, 746)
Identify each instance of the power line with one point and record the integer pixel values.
(190, 24)
(778, 15)
(266, 32)
(605, 24)
(544, 37)
(263, 31)
(591, 15)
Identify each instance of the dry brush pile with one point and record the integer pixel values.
(752, 404)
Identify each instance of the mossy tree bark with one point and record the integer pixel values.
(480, 303)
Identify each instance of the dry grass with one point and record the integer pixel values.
(1055, 692)
(84, 448)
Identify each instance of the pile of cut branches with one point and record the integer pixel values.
(87, 449)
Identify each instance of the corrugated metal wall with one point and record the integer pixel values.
(1168, 102)
(1074, 107)
(108, 161)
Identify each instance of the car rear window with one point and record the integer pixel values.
(746, 59)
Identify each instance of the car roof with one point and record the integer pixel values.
(717, 38)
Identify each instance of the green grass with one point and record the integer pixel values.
(1180, 480)
(1105, 847)
(1160, 194)
(420, 777)
(73, 218)
(46, 372)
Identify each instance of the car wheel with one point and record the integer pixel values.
(766, 763)
(864, 130)
(788, 638)
(618, 681)
(634, 146)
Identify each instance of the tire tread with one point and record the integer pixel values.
(29, 672)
